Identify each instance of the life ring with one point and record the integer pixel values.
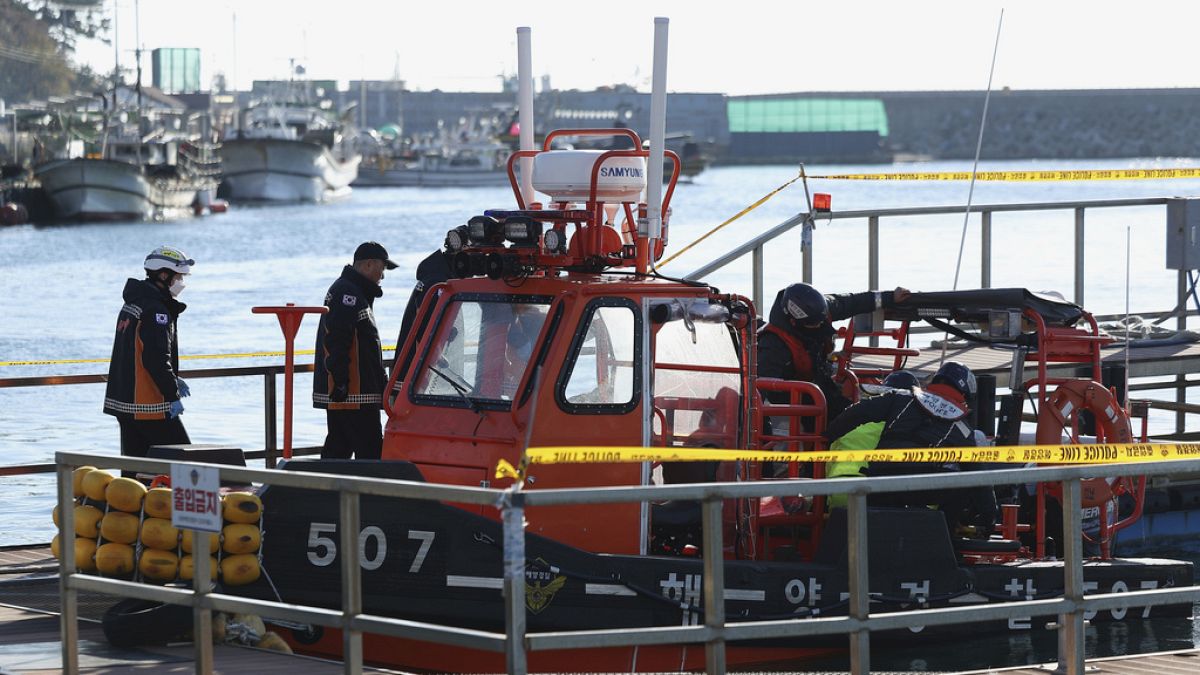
(1112, 425)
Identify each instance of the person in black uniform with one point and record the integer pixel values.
(433, 270)
(144, 387)
(348, 375)
(797, 340)
(930, 417)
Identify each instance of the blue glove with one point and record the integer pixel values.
(184, 389)
(175, 411)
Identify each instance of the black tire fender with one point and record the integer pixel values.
(133, 622)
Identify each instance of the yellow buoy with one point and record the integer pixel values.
(158, 565)
(119, 526)
(95, 483)
(77, 479)
(85, 550)
(273, 642)
(87, 521)
(242, 507)
(125, 494)
(214, 541)
(240, 538)
(187, 567)
(158, 503)
(114, 559)
(239, 570)
(54, 516)
(159, 533)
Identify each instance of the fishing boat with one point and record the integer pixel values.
(466, 155)
(288, 152)
(144, 163)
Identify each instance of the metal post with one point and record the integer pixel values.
(1181, 295)
(269, 419)
(985, 246)
(1070, 631)
(201, 616)
(873, 253)
(352, 657)
(1079, 256)
(756, 258)
(860, 599)
(807, 256)
(714, 585)
(513, 515)
(69, 619)
(873, 262)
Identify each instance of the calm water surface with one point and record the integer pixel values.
(62, 289)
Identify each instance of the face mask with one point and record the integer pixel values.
(177, 286)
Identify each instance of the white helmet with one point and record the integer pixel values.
(169, 258)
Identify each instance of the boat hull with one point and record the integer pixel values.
(374, 177)
(280, 170)
(425, 561)
(98, 189)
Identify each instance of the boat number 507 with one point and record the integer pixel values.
(322, 546)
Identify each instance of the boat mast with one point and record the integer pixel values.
(525, 109)
(650, 231)
(137, 55)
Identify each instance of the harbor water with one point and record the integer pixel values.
(63, 285)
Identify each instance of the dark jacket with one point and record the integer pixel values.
(433, 270)
(145, 356)
(348, 350)
(790, 354)
(933, 417)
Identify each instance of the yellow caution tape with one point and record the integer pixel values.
(762, 200)
(1099, 453)
(1022, 176)
(184, 357)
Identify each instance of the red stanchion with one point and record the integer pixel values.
(289, 317)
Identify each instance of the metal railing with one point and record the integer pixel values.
(755, 246)
(515, 642)
(755, 249)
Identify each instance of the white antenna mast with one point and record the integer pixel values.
(525, 109)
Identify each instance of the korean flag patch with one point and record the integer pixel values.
(349, 300)
(161, 319)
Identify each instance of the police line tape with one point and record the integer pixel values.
(1097, 453)
(182, 357)
(1023, 176)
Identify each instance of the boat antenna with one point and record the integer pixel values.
(975, 167)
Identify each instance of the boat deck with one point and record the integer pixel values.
(1148, 361)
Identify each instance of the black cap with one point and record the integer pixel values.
(373, 250)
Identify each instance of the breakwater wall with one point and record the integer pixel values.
(1065, 124)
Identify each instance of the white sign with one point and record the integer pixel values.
(195, 499)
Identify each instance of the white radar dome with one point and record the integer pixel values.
(566, 176)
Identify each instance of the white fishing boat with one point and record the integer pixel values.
(288, 153)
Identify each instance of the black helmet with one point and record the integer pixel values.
(803, 305)
(958, 376)
(901, 379)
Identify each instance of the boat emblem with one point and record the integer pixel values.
(541, 583)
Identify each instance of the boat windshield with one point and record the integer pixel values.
(481, 349)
